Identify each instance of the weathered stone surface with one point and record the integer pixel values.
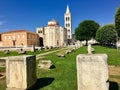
(92, 72)
(21, 51)
(20, 72)
(45, 64)
(14, 89)
(33, 48)
(89, 49)
(6, 52)
(68, 51)
(2, 62)
(61, 55)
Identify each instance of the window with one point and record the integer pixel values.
(29, 35)
(68, 36)
(23, 36)
(40, 31)
(5, 37)
(18, 36)
(66, 25)
(68, 30)
(9, 37)
(68, 18)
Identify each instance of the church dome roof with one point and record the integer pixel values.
(53, 23)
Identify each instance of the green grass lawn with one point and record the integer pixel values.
(113, 54)
(15, 53)
(64, 75)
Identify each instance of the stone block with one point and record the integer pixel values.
(20, 72)
(92, 72)
(45, 64)
(33, 48)
(6, 52)
(89, 49)
(2, 62)
(21, 51)
(61, 55)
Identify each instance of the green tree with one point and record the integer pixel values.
(117, 21)
(86, 30)
(107, 35)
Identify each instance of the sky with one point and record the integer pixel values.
(30, 14)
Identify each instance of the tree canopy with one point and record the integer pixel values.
(107, 35)
(86, 30)
(117, 21)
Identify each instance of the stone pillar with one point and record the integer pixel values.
(20, 72)
(89, 49)
(92, 72)
(33, 48)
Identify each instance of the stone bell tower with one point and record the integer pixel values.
(68, 24)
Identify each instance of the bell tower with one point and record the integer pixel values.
(68, 24)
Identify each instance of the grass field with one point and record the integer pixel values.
(64, 76)
(15, 53)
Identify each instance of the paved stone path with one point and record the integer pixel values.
(42, 54)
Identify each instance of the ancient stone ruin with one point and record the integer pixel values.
(21, 51)
(45, 64)
(92, 72)
(20, 72)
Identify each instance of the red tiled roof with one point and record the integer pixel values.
(12, 31)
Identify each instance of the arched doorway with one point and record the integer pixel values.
(41, 41)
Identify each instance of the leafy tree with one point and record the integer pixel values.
(117, 21)
(107, 35)
(86, 30)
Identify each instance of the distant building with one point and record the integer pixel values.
(52, 35)
(55, 35)
(0, 41)
(0, 37)
(19, 38)
(68, 24)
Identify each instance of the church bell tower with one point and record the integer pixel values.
(68, 24)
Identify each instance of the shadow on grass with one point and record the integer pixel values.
(113, 86)
(41, 82)
(52, 67)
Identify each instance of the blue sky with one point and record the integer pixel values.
(29, 14)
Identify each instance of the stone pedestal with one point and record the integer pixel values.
(20, 72)
(92, 72)
(33, 48)
(89, 49)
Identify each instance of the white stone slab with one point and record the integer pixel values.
(20, 72)
(92, 72)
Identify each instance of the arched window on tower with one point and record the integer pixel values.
(66, 25)
(68, 30)
(68, 36)
(68, 18)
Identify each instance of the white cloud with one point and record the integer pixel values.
(2, 22)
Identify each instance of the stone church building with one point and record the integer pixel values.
(55, 35)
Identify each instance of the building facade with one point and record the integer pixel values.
(55, 35)
(19, 38)
(52, 35)
(68, 24)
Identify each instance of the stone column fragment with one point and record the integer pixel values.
(92, 72)
(20, 72)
